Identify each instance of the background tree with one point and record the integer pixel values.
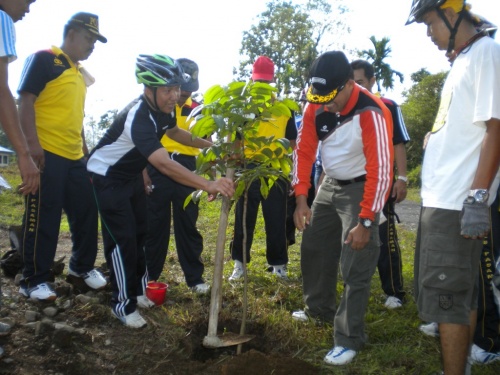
(383, 72)
(420, 110)
(95, 130)
(291, 34)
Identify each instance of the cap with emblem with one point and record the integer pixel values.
(329, 72)
(89, 22)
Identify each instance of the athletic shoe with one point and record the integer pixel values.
(340, 355)
(430, 329)
(94, 278)
(280, 271)
(202, 288)
(481, 356)
(4, 329)
(237, 271)
(393, 302)
(42, 292)
(300, 316)
(144, 302)
(132, 320)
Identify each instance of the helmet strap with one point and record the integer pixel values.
(454, 29)
(153, 105)
(155, 90)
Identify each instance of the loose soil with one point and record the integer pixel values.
(77, 334)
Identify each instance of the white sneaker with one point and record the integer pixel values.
(133, 320)
(94, 278)
(481, 356)
(144, 302)
(237, 271)
(430, 329)
(300, 316)
(42, 292)
(340, 355)
(201, 288)
(393, 302)
(280, 271)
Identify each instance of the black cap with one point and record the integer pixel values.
(88, 21)
(328, 73)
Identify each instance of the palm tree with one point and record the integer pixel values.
(383, 71)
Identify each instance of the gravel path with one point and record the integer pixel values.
(408, 212)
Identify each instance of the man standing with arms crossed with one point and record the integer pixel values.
(355, 129)
(12, 11)
(52, 98)
(460, 176)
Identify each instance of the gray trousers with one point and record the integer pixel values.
(335, 212)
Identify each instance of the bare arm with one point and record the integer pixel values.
(28, 124)
(489, 159)
(161, 161)
(399, 188)
(11, 126)
(85, 149)
(186, 138)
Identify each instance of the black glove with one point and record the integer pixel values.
(475, 219)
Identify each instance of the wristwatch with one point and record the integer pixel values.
(477, 196)
(367, 223)
(403, 178)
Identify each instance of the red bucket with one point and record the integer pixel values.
(156, 292)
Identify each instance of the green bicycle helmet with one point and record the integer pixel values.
(159, 70)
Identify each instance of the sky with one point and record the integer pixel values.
(210, 33)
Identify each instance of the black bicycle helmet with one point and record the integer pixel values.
(191, 69)
(159, 70)
(483, 25)
(420, 7)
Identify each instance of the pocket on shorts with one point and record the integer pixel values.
(445, 268)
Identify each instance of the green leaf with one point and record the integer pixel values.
(213, 94)
(286, 166)
(240, 188)
(292, 104)
(264, 189)
(203, 127)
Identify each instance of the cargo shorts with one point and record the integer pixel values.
(446, 268)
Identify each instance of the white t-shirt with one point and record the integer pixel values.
(7, 37)
(470, 96)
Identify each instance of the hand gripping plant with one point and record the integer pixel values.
(232, 115)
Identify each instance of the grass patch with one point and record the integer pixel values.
(395, 346)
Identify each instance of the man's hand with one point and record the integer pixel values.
(358, 237)
(475, 220)
(148, 184)
(302, 213)
(38, 155)
(223, 185)
(399, 191)
(30, 175)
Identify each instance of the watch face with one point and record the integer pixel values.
(367, 223)
(481, 195)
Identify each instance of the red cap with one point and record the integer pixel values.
(263, 69)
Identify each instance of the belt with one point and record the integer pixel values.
(351, 181)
